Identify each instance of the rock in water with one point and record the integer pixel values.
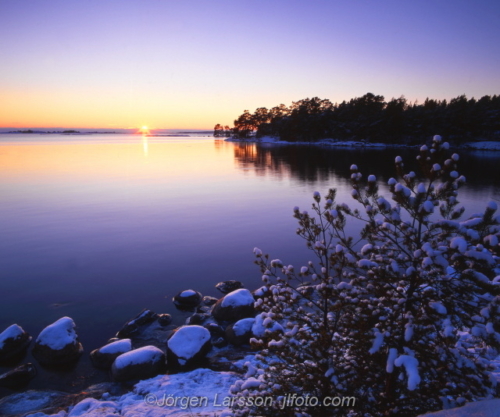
(104, 357)
(188, 346)
(13, 342)
(143, 363)
(58, 344)
(18, 377)
(225, 287)
(164, 319)
(187, 299)
(132, 327)
(234, 306)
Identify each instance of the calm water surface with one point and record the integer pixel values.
(99, 227)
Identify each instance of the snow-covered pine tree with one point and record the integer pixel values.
(405, 318)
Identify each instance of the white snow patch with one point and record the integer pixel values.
(200, 392)
(92, 407)
(241, 297)
(58, 334)
(259, 330)
(393, 354)
(142, 355)
(188, 340)
(243, 326)
(120, 346)
(440, 308)
(12, 332)
(486, 408)
(377, 342)
(411, 367)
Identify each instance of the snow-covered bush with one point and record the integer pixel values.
(404, 318)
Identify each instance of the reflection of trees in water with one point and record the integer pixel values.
(316, 163)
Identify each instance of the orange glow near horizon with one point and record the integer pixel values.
(134, 161)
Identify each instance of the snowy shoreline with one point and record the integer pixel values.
(475, 146)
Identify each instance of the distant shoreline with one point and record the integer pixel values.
(57, 132)
(356, 144)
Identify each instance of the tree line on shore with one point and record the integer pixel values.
(372, 119)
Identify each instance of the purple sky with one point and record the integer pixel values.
(191, 64)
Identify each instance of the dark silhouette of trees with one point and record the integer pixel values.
(373, 119)
(220, 131)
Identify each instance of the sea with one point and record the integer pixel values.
(100, 226)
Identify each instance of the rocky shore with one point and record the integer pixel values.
(214, 337)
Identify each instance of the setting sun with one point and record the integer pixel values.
(144, 130)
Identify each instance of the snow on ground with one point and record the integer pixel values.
(58, 334)
(206, 393)
(483, 145)
(489, 408)
(199, 392)
(324, 142)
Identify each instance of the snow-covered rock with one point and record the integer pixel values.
(142, 363)
(13, 342)
(18, 377)
(105, 356)
(131, 328)
(240, 332)
(225, 287)
(188, 346)
(58, 343)
(234, 306)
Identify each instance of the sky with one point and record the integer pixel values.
(191, 64)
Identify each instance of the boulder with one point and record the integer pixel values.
(234, 306)
(58, 344)
(143, 363)
(132, 327)
(13, 342)
(240, 332)
(187, 300)
(188, 346)
(104, 357)
(225, 287)
(18, 377)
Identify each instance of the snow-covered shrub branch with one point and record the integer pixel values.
(405, 318)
